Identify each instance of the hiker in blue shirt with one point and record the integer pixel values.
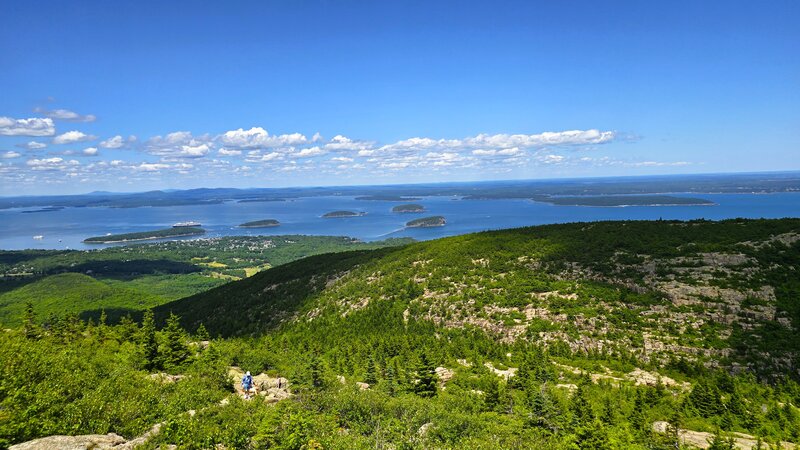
(247, 384)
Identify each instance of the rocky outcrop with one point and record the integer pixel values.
(87, 442)
(702, 439)
(272, 389)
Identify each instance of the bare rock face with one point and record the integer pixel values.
(85, 442)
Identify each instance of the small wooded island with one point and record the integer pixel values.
(623, 200)
(260, 224)
(340, 214)
(146, 235)
(409, 208)
(426, 222)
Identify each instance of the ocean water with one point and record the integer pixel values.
(67, 228)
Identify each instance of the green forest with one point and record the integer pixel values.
(605, 335)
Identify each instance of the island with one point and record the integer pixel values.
(427, 222)
(623, 200)
(260, 224)
(341, 214)
(387, 198)
(45, 209)
(409, 208)
(145, 235)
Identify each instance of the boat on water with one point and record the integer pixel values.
(186, 224)
(38, 237)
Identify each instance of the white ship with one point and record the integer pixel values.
(38, 237)
(186, 224)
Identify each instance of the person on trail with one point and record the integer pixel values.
(247, 384)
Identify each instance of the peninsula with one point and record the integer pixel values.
(409, 208)
(260, 224)
(145, 235)
(427, 222)
(341, 214)
(387, 198)
(623, 200)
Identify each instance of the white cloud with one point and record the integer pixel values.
(117, 142)
(226, 152)
(51, 163)
(32, 145)
(343, 143)
(550, 159)
(271, 156)
(180, 144)
(659, 163)
(27, 127)
(10, 155)
(342, 159)
(258, 137)
(90, 151)
(310, 152)
(71, 137)
(65, 114)
(151, 167)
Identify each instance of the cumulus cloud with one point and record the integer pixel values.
(71, 137)
(90, 151)
(227, 152)
(258, 137)
(180, 144)
(51, 163)
(117, 142)
(65, 114)
(27, 127)
(10, 155)
(310, 152)
(32, 145)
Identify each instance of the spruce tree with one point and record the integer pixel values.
(148, 341)
(202, 333)
(371, 376)
(426, 377)
(175, 350)
(582, 413)
(29, 326)
(491, 397)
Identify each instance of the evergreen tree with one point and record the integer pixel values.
(426, 377)
(593, 436)
(175, 351)
(126, 330)
(491, 396)
(580, 407)
(29, 326)
(315, 371)
(720, 443)
(148, 341)
(202, 333)
(371, 376)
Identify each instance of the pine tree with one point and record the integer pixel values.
(491, 397)
(371, 376)
(29, 326)
(426, 377)
(148, 341)
(202, 333)
(580, 407)
(176, 351)
(720, 443)
(126, 330)
(315, 371)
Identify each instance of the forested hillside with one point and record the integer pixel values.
(608, 335)
(129, 279)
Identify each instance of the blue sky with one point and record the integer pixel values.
(130, 96)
